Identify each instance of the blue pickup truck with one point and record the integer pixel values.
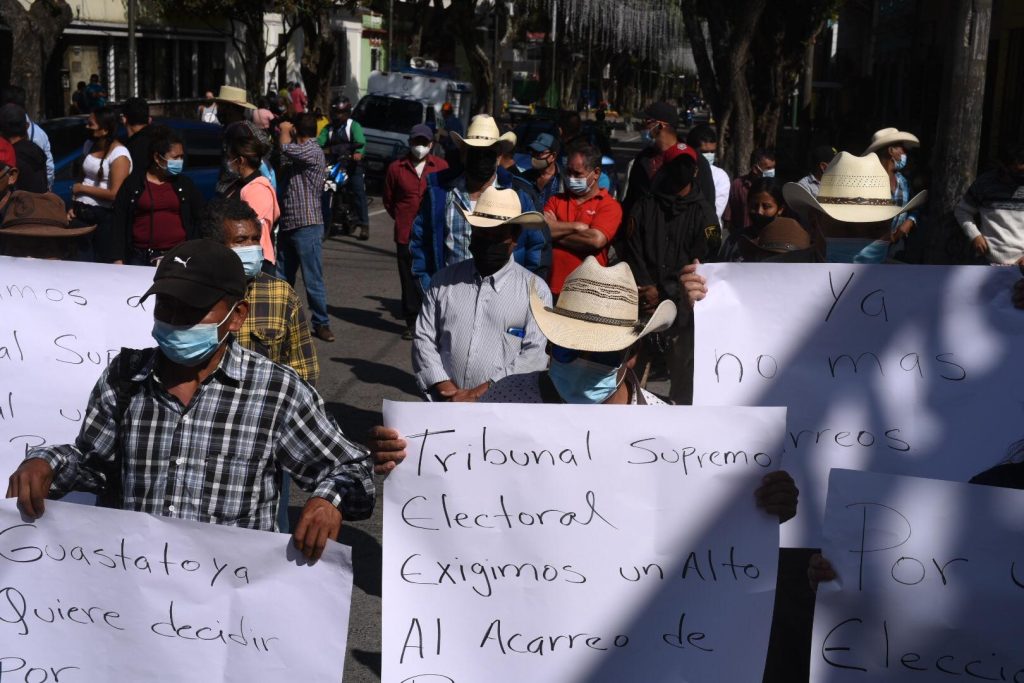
(202, 151)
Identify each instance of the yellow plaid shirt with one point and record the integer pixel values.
(277, 327)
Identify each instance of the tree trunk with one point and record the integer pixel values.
(318, 59)
(34, 34)
(958, 136)
(463, 27)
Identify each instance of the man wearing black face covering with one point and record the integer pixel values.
(665, 231)
(440, 233)
(475, 326)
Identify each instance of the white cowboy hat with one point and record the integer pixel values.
(483, 132)
(233, 95)
(598, 310)
(498, 207)
(890, 136)
(853, 190)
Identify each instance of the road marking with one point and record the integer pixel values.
(377, 212)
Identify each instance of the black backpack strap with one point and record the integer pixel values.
(127, 364)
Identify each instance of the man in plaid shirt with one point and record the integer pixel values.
(200, 427)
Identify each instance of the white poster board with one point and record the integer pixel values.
(578, 543)
(910, 370)
(90, 595)
(60, 324)
(931, 582)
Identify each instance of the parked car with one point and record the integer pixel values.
(202, 151)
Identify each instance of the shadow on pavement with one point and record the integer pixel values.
(370, 372)
(367, 561)
(370, 660)
(392, 306)
(360, 318)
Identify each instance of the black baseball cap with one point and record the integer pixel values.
(199, 273)
(662, 111)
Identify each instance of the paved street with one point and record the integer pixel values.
(368, 363)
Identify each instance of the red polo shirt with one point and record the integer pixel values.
(403, 190)
(600, 212)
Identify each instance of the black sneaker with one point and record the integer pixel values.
(409, 334)
(364, 233)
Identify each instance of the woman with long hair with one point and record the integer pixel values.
(244, 156)
(106, 165)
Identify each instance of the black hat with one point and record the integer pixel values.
(663, 111)
(199, 273)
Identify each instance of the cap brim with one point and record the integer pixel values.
(46, 231)
(909, 141)
(190, 293)
(507, 141)
(244, 105)
(530, 219)
(800, 200)
(583, 335)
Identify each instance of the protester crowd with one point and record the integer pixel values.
(536, 285)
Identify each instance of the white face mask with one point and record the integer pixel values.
(710, 156)
(420, 151)
(768, 173)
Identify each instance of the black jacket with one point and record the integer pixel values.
(125, 204)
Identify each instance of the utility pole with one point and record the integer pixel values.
(496, 78)
(391, 35)
(554, 52)
(133, 62)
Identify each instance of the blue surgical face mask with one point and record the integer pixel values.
(901, 162)
(768, 173)
(188, 345)
(252, 259)
(175, 166)
(583, 381)
(578, 186)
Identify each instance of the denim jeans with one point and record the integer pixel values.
(301, 248)
(357, 183)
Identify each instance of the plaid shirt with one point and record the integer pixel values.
(277, 327)
(456, 237)
(303, 172)
(218, 459)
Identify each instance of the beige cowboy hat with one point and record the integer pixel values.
(233, 95)
(598, 310)
(498, 207)
(483, 132)
(853, 190)
(891, 136)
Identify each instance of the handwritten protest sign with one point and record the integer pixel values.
(931, 581)
(60, 324)
(90, 595)
(904, 370)
(578, 543)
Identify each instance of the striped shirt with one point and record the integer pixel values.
(473, 329)
(277, 328)
(218, 459)
(456, 236)
(303, 172)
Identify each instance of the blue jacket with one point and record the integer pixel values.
(426, 244)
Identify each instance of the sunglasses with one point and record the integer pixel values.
(612, 359)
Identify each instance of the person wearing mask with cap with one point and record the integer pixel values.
(404, 184)
(891, 145)
(584, 219)
(198, 427)
(475, 326)
(343, 140)
(440, 234)
(544, 173)
(157, 210)
(853, 210)
(737, 214)
(667, 230)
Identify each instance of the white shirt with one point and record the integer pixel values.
(91, 167)
(722, 184)
(474, 329)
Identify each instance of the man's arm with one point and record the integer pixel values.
(421, 241)
(359, 140)
(299, 342)
(40, 137)
(390, 182)
(426, 356)
(81, 466)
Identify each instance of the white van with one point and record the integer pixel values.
(397, 101)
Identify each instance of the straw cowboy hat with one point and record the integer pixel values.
(853, 190)
(233, 95)
(483, 132)
(39, 215)
(890, 136)
(498, 207)
(598, 310)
